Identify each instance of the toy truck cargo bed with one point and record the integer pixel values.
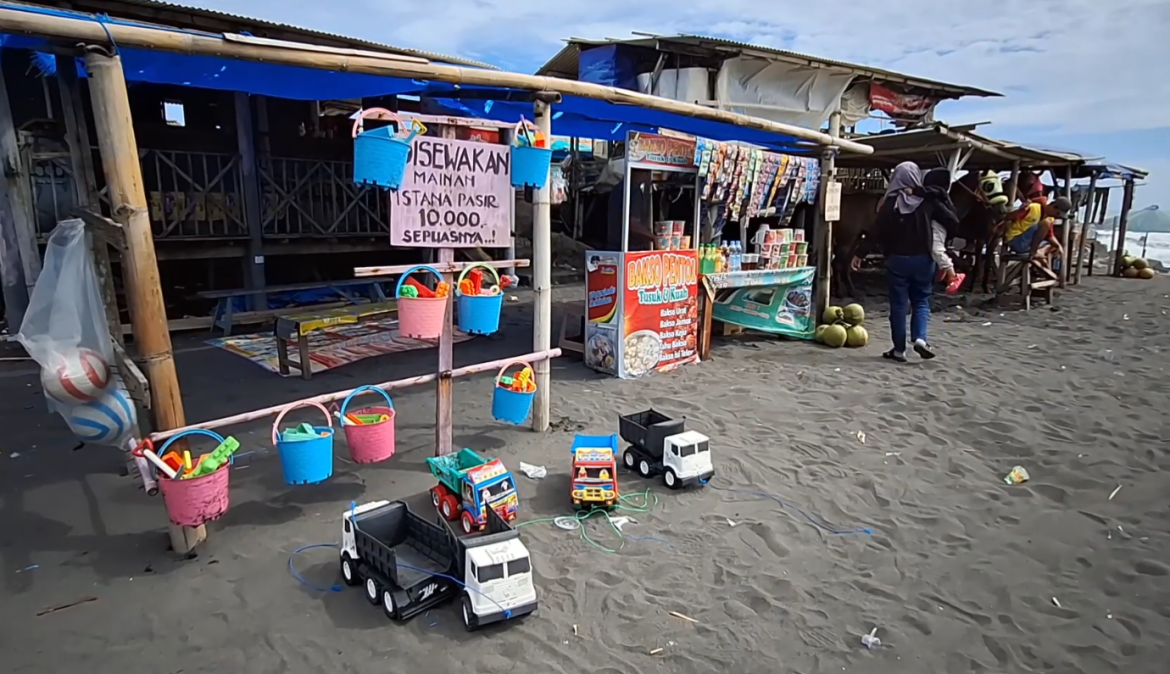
(648, 430)
(450, 469)
(402, 550)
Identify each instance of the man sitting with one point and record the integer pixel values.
(1030, 228)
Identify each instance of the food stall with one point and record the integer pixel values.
(642, 311)
(766, 283)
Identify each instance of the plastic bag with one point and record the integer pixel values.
(66, 333)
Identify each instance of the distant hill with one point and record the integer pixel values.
(1150, 219)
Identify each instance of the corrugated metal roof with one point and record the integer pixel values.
(112, 8)
(929, 147)
(564, 63)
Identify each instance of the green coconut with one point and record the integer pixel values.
(1129, 272)
(1128, 260)
(1140, 264)
(833, 315)
(856, 337)
(835, 336)
(1147, 273)
(854, 314)
(820, 334)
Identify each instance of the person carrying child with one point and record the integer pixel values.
(935, 189)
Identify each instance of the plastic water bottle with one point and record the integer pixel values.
(871, 641)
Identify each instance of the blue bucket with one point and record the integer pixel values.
(530, 166)
(380, 155)
(510, 406)
(479, 314)
(306, 461)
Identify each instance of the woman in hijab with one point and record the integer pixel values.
(904, 231)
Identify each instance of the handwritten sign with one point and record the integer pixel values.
(456, 194)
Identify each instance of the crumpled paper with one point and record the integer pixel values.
(533, 472)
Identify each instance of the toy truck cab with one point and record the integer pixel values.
(496, 571)
(661, 445)
(594, 472)
(469, 486)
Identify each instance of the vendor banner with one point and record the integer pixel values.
(456, 194)
(777, 301)
(660, 319)
(650, 150)
(602, 310)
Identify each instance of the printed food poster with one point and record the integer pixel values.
(783, 307)
(602, 283)
(660, 322)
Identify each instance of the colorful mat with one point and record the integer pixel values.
(331, 347)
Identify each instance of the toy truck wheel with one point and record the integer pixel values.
(469, 622)
(348, 570)
(435, 498)
(449, 508)
(373, 591)
(388, 606)
(670, 479)
(644, 468)
(629, 459)
(469, 524)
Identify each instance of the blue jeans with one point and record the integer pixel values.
(1022, 244)
(911, 281)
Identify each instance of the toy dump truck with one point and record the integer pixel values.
(595, 471)
(661, 445)
(408, 565)
(468, 485)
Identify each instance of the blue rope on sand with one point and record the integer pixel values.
(815, 521)
(296, 574)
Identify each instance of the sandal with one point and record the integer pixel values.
(894, 356)
(923, 349)
(956, 283)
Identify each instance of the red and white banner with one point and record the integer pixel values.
(899, 105)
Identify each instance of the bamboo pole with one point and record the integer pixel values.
(91, 31)
(542, 279)
(445, 389)
(324, 398)
(1066, 231)
(119, 149)
(1089, 203)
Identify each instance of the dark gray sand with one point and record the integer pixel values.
(961, 573)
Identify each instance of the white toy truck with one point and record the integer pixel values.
(409, 565)
(661, 445)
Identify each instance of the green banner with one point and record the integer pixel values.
(777, 301)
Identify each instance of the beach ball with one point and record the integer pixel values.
(76, 376)
(104, 421)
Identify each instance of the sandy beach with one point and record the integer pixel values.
(807, 538)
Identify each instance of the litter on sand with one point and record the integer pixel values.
(656, 651)
(533, 472)
(1056, 603)
(860, 436)
(684, 617)
(62, 607)
(1114, 492)
(871, 641)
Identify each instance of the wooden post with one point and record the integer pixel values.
(17, 216)
(445, 386)
(1066, 231)
(254, 262)
(542, 278)
(823, 230)
(119, 149)
(1090, 202)
(506, 140)
(1014, 182)
(1122, 225)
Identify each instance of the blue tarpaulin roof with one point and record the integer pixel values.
(574, 116)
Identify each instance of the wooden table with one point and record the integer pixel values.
(296, 328)
(351, 290)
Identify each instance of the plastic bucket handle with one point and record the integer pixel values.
(519, 133)
(302, 403)
(357, 391)
(405, 131)
(194, 431)
(495, 274)
(510, 364)
(408, 272)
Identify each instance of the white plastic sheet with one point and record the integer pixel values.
(65, 332)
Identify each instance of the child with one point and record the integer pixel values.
(935, 189)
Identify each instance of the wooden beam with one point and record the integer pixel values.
(449, 267)
(1066, 230)
(1122, 227)
(119, 149)
(1085, 224)
(254, 276)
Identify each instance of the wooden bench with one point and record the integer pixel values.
(294, 329)
(1019, 270)
(351, 291)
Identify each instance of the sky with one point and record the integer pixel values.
(1082, 75)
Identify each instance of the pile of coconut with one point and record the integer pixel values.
(843, 327)
(1137, 267)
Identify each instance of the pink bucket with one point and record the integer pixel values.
(194, 502)
(420, 317)
(369, 443)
